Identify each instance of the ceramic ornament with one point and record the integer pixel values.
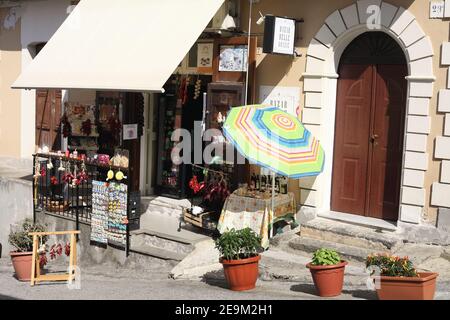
(61, 166)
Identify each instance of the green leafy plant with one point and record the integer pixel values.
(392, 266)
(20, 239)
(238, 244)
(325, 257)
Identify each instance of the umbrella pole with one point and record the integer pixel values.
(273, 204)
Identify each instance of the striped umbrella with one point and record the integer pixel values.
(274, 139)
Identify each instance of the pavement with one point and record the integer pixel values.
(280, 279)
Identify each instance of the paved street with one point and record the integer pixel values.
(111, 282)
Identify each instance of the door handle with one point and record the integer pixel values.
(373, 139)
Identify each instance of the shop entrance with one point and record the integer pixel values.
(370, 116)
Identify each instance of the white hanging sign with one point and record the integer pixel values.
(285, 98)
(437, 9)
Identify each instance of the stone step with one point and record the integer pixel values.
(283, 265)
(164, 206)
(351, 235)
(158, 252)
(307, 246)
(161, 245)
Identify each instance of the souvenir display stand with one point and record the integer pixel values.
(36, 275)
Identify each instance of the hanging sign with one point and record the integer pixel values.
(284, 98)
(437, 9)
(130, 131)
(279, 35)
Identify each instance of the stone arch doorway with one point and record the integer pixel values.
(320, 81)
(369, 127)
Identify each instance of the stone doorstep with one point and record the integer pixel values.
(372, 223)
(348, 234)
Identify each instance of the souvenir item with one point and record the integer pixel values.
(67, 176)
(61, 165)
(120, 176)
(198, 86)
(82, 176)
(43, 172)
(50, 164)
(110, 175)
(99, 216)
(37, 171)
(117, 212)
(103, 159)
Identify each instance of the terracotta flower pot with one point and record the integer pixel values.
(328, 280)
(408, 288)
(241, 274)
(22, 264)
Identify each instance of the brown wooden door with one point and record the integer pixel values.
(48, 119)
(369, 140)
(351, 154)
(387, 143)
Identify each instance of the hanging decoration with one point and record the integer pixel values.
(195, 186)
(67, 176)
(82, 176)
(86, 127)
(53, 180)
(50, 164)
(197, 88)
(43, 172)
(66, 126)
(61, 167)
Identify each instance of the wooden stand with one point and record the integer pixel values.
(35, 267)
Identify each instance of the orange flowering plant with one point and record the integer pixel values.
(392, 266)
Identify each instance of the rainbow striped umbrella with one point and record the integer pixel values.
(275, 140)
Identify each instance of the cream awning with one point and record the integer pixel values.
(119, 45)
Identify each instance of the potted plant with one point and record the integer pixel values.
(399, 280)
(22, 257)
(239, 251)
(327, 270)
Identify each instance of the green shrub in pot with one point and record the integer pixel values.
(327, 270)
(239, 255)
(325, 257)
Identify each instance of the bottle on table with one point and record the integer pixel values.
(253, 181)
(269, 183)
(284, 185)
(277, 184)
(257, 183)
(263, 183)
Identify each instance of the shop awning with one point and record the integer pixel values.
(119, 45)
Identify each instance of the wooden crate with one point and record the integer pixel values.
(202, 220)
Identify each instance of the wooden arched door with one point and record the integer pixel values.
(370, 117)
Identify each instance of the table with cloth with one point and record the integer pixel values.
(240, 212)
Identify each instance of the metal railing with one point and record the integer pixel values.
(63, 187)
